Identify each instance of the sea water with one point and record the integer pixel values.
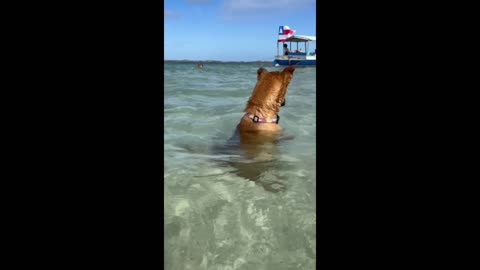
(213, 217)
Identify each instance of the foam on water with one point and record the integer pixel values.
(215, 218)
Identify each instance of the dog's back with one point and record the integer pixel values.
(259, 130)
(264, 104)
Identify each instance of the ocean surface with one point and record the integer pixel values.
(222, 211)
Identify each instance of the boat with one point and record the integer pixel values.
(298, 56)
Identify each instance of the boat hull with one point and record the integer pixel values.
(298, 62)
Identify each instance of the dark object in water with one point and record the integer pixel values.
(200, 65)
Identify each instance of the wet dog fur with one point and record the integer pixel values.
(267, 97)
(257, 140)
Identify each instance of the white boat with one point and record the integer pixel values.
(298, 56)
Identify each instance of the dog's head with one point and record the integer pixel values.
(271, 88)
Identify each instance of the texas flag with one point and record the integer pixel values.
(284, 32)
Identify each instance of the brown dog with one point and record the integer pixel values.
(260, 124)
(267, 98)
(258, 131)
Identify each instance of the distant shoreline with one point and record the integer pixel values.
(216, 61)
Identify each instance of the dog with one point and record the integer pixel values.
(261, 122)
(267, 97)
(259, 129)
(258, 132)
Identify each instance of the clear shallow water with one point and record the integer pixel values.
(214, 217)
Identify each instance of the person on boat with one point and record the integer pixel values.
(285, 49)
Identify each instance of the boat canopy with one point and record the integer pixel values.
(300, 38)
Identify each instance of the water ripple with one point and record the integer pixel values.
(215, 218)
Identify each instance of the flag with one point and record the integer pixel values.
(284, 32)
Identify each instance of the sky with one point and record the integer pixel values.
(232, 30)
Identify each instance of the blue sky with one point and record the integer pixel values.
(232, 30)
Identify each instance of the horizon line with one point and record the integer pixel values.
(189, 60)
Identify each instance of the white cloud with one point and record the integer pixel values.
(251, 5)
(251, 8)
(171, 14)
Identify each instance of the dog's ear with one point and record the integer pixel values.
(289, 69)
(260, 71)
